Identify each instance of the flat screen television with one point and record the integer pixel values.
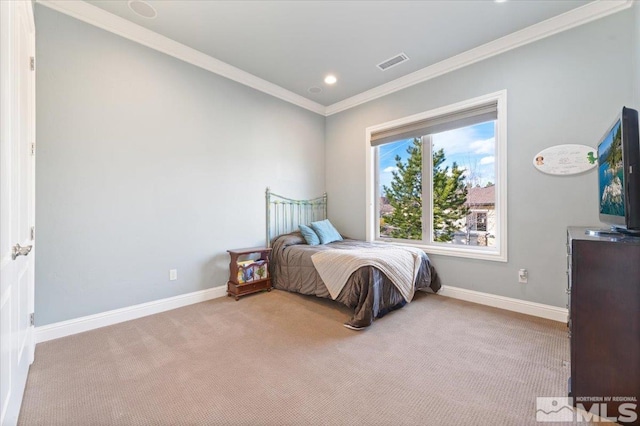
(619, 174)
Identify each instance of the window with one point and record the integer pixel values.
(437, 179)
(480, 221)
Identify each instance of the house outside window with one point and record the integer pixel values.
(436, 180)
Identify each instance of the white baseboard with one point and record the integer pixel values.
(103, 319)
(507, 303)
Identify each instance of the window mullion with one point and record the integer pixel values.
(377, 193)
(427, 199)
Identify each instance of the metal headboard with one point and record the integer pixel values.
(285, 214)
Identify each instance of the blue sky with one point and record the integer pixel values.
(473, 148)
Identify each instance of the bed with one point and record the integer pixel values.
(368, 291)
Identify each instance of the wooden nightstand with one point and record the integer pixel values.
(248, 276)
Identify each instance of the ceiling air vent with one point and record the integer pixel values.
(392, 62)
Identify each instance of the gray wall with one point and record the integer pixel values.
(636, 55)
(563, 89)
(146, 163)
(133, 180)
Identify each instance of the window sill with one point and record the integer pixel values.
(441, 249)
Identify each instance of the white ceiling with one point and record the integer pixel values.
(285, 47)
(294, 44)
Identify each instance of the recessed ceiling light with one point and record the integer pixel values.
(330, 79)
(142, 8)
(314, 90)
(500, 1)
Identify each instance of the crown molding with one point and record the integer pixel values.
(100, 18)
(107, 21)
(573, 18)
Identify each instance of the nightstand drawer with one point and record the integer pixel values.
(255, 286)
(238, 290)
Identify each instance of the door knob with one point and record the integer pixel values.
(20, 251)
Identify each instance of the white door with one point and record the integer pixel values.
(17, 172)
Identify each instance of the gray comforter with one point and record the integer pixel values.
(368, 291)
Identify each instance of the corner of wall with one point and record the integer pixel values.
(636, 56)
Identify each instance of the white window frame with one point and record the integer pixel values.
(497, 253)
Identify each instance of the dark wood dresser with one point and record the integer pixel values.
(604, 320)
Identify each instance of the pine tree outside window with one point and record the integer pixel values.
(437, 180)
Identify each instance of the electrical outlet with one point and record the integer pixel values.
(173, 274)
(523, 276)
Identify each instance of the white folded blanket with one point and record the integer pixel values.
(399, 264)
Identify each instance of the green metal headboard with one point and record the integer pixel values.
(285, 214)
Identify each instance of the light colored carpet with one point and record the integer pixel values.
(284, 359)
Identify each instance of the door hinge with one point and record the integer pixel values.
(33, 233)
(32, 63)
(32, 319)
(33, 149)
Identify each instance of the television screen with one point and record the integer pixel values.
(611, 173)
